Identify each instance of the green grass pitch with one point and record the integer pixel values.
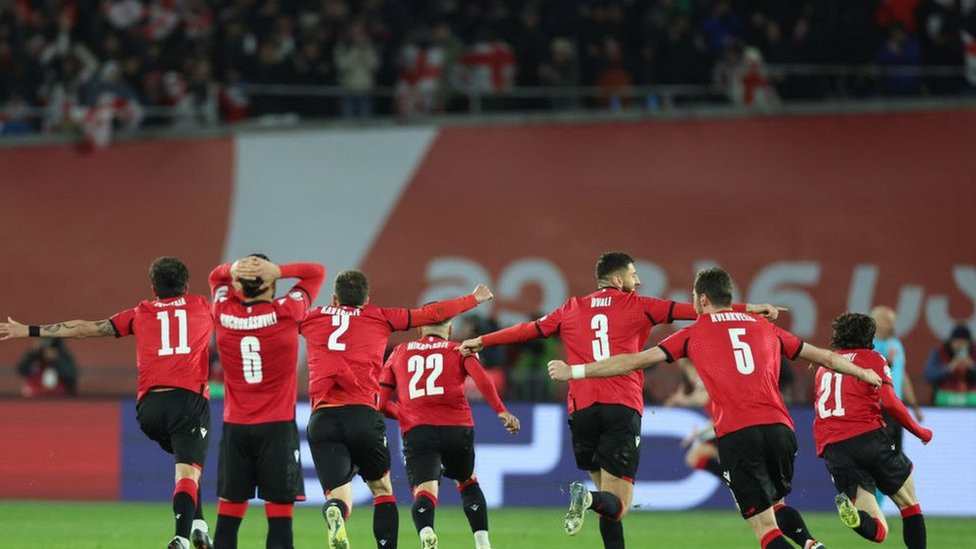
(55, 525)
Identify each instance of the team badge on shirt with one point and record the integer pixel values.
(297, 296)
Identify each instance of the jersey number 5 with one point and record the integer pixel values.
(416, 365)
(742, 351)
(165, 346)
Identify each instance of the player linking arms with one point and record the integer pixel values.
(172, 339)
(856, 447)
(346, 432)
(737, 358)
(257, 336)
(435, 420)
(604, 414)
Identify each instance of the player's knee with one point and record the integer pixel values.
(381, 487)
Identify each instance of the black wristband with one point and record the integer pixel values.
(34, 330)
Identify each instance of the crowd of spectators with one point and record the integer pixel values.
(99, 64)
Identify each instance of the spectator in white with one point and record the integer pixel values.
(69, 67)
(357, 62)
(487, 67)
(951, 370)
(749, 85)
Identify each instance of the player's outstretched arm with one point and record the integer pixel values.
(474, 368)
(614, 366)
(68, 329)
(443, 310)
(837, 363)
(513, 334)
(686, 311)
(897, 410)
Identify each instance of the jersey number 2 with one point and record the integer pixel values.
(825, 387)
(165, 346)
(416, 365)
(341, 323)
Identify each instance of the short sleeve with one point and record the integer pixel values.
(122, 322)
(659, 311)
(397, 319)
(877, 362)
(676, 345)
(790, 345)
(551, 323)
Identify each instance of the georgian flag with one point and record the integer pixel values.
(969, 44)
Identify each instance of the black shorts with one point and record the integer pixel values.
(758, 465)
(346, 440)
(179, 420)
(607, 436)
(430, 450)
(871, 460)
(263, 456)
(894, 429)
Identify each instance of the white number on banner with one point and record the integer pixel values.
(601, 345)
(165, 346)
(742, 351)
(825, 384)
(341, 322)
(251, 359)
(417, 366)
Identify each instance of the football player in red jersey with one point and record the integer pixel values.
(438, 431)
(172, 339)
(737, 356)
(257, 337)
(346, 433)
(605, 414)
(851, 437)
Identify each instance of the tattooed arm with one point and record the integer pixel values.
(71, 328)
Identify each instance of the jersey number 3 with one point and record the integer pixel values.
(601, 343)
(417, 365)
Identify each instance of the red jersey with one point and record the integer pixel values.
(172, 341)
(346, 346)
(428, 376)
(605, 323)
(847, 407)
(258, 345)
(737, 356)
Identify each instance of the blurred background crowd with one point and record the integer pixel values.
(126, 63)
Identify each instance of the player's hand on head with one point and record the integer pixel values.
(482, 293)
(11, 329)
(511, 423)
(470, 346)
(559, 370)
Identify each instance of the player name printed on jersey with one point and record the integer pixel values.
(177, 303)
(333, 310)
(731, 317)
(421, 346)
(255, 322)
(596, 302)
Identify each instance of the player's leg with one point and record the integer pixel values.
(780, 445)
(457, 454)
(913, 522)
(334, 468)
(369, 452)
(386, 517)
(279, 478)
(180, 421)
(421, 452)
(704, 457)
(871, 523)
(744, 457)
(235, 471)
